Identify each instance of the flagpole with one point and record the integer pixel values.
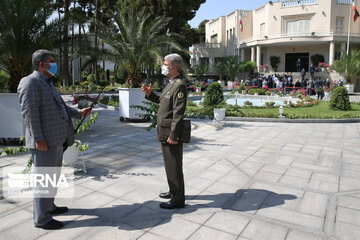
(349, 29)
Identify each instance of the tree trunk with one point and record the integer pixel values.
(96, 43)
(66, 44)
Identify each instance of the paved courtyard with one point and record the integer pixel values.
(243, 181)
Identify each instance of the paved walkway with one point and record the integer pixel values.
(243, 181)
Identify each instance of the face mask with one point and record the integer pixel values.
(53, 69)
(164, 70)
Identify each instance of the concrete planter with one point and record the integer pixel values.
(11, 120)
(129, 97)
(350, 88)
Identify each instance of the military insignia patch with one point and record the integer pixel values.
(180, 95)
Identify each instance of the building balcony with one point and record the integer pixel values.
(297, 3)
(347, 2)
(207, 45)
(305, 36)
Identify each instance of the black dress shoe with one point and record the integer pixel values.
(170, 205)
(166, 195)
(59, 210)
(52, 225)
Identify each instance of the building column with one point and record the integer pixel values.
(343, 48)
(242, 55)
(258, 56)
(253, 54)
(211, 64)
(331, 53)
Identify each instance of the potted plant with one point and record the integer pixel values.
(274, 62)
(136, 40)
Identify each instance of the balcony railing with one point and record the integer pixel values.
(208, 45)
(296, 3)
(344, 2)
(314, 35)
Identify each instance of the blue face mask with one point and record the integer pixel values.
(53, 68)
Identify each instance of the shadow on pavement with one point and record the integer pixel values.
(148, 214)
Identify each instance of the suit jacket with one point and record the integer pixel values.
(43, 112)
(172, 105)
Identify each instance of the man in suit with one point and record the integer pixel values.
(298, 65)
(172, 105)
(48, 128)
(312, 71)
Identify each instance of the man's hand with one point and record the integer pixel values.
(146, 90)
(41, 146)
(85, 112)
(170, 141)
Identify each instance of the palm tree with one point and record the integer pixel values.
(134, 40)
(232, 66)
(220, 68)
(348, 65)
(23, 29)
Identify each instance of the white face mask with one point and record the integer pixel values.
(164, 70)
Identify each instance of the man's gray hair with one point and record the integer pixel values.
(175, 60)
(40, 56)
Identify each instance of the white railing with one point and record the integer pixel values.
(344, 2)
(296, 3)
(314, 35)
(207, 45)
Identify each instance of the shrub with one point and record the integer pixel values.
(91, 78)
(316, 59)
(248, 66)
(340, 99)
(269, 104)
(274, 62)
(190, 103)
(248, 103)
(214, 94)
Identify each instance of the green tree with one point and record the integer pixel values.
(179, 13)
(214, 94)
(274, 62)
(232, 66)
(340, 99)
(220, 68)
(23, 30)
(134, 40)
(349, 65)
(316, 59)
(200, 70)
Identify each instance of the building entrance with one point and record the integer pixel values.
(291, 59)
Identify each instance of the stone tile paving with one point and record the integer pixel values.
(243, 181)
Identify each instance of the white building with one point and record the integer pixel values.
(289, 29)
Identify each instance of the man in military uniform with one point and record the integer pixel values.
(172, 104)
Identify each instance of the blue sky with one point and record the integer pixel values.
(212, 9)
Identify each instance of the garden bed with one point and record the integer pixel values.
(317, 111)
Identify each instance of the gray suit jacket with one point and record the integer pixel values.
(43, 114)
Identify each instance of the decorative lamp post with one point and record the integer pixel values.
(281, 111)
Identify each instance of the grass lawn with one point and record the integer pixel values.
(320, 111)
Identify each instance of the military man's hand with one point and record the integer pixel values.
(41, 146)
(146, 90)
(170, 141)
(85, 112)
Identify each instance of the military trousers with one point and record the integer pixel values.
(173, 161)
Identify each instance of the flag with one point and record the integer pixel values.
(356, 13)
(241, 24)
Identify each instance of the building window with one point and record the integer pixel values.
(299, 27)
(233, 33)
(262, 29)
(339, 24)
(214, 38)
(216, 60)
(204, 61)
